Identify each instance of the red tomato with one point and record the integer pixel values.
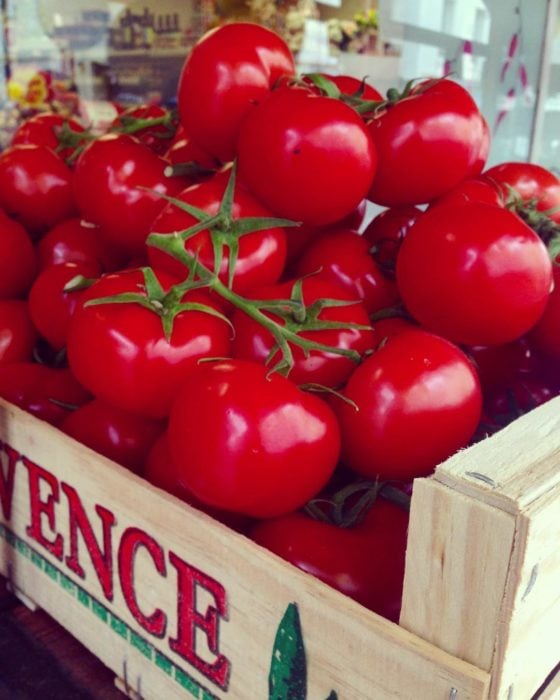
(128, 181)
(160, 470)
(46, 392)
(74, 240)
(546, 334)
(427, 143)
(501, 365)
(354, 87)
(229, 70)
(251, 443)
(308, 158)
(261, 255)
(17, 332)
(185, 150)
(119, 435)
(343, 257)
(50, 306)
(153, 125)
(530, 182)
(364, 562)
(36, 187)
(483, 152)
(386, 328)
(254, 342)
(475, 274)
(417, 400)
(47, 129)
(386, 232)
(18, 259)
(120, 352)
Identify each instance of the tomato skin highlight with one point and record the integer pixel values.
(307, 158)
(476, 274)
(417, 400)
(251, 443)
(229, 70)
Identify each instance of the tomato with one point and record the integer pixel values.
(47, 392)
(545, 335)
(159, 469)
(417, 400)
(261, 255)
(116, 434)
(483, 151)
(251, 443)
(128, 181)
(475, 274)
(76, 241)
(386, 231)
(18, 259)
(156, 133)
(343, 257)
(308, 158)
(51, 307)
(501, 365)
(185, 150)
(531, 182)
(119, 350)
(35, 187)
(229, 70)
(354, 87)
(47, 129)
(388, 327)
(17, 332)
(427, 143)
(365, 562)
(254, 342)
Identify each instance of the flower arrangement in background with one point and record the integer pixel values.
(356, 35)
(285, 17)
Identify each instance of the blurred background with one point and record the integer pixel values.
(86, 57)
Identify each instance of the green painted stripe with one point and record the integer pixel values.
(118, 626)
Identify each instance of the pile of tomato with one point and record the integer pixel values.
(198, 296)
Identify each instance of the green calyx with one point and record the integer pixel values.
(538, 219)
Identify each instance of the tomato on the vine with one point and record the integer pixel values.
(251, 443)
(229, 71)
(307, 157)
(413, 403)
(474, 273)
(48, 129)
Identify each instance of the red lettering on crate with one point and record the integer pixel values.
(78, 521)
(132, 539)
(7, 478)
(38, 507)
(189, 619)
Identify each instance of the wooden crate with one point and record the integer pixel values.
(179, 606)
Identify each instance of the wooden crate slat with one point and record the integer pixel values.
(173, 550)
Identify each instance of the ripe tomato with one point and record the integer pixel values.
(229, 71)
(308, 158)
(427, 143)
(251, 443)
(386, 231)
(18, 259)
(364, 562)
(413, 383)
(475, 274)
(17, 332)
(128, 181)
(74, 240)
(254, 342)
(47, 129)
(343, 257)
(502, 365)
(530, 182)
(48, 393)
(474, 189)
(119, 435)
(159, 129)
(261, 255)
(349, 85)
(120, 352)
(36, 187)
(52, 307)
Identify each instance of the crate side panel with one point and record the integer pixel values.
(456, 570)
(514, 467)
(182, 603)
(528, 647)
